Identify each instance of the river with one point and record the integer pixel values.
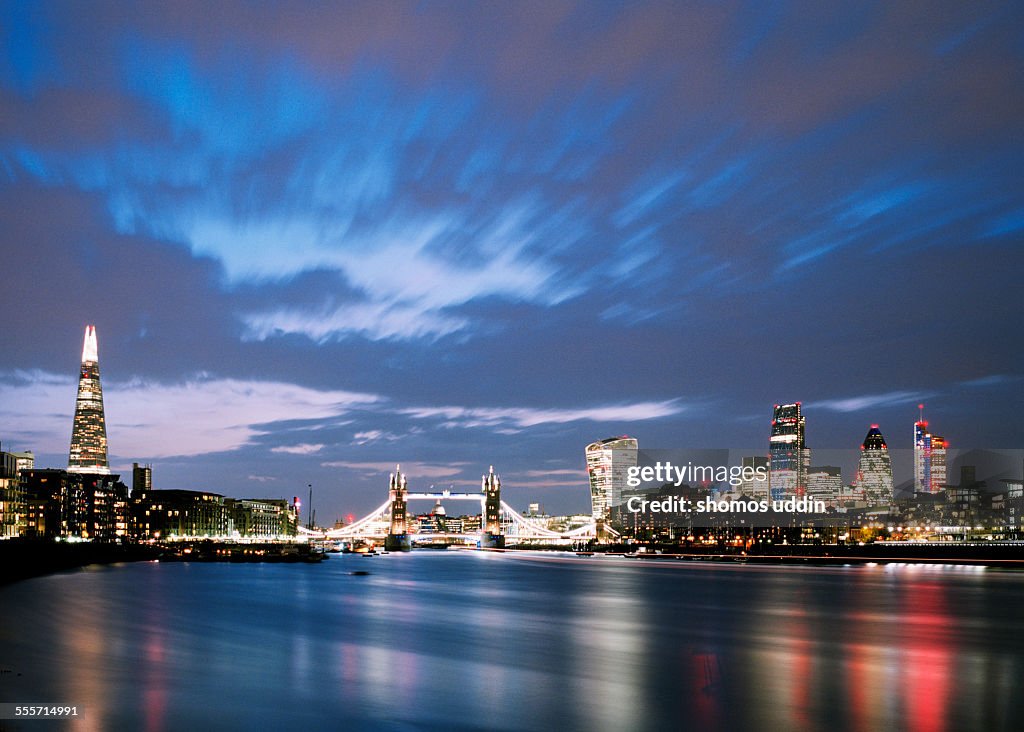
(463, 640)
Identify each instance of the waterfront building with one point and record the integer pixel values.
(1014, 507)
(105, 504)
(874, 470)
(62, 504)
(88, 453)
(12, 497)
(968, 503)
(55, 506)
(263, 517)
(164, 514)
(788, 453)
(608, 462)
(929, 458)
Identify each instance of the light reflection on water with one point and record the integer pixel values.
(472, 641)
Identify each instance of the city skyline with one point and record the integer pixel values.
(787, 458)
(453, 238)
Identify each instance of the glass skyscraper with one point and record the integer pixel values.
(608, 462)
(929, 458)
(88, 452)
(874, 471)
(788, 455)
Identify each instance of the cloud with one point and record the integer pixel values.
(148, 419)
(523, 417)
(302, 449)
(513, 482)
(991, 380)
(412, 470)
(870, 401)
(374, 321)
(369, 436)
(407, 273)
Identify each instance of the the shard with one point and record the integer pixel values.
(89, 432)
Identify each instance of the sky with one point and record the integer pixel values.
(319, 240)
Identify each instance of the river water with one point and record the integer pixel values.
(482, 641)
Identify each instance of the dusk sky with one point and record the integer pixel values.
(319, 240)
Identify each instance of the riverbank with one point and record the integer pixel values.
(1010, 556)
(25, 558)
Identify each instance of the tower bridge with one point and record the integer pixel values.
(499, 522)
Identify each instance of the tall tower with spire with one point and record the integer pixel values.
(490, 488)
(929, 458)
(397, 539)
(89, 431)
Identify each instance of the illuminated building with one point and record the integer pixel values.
(62, 504)
(490, 487)
(105, 500)
(12, 498)
(177, 513)
(788, 454)
(266, 518)
(929, 458)
(397, 538)
(874, 471)
(88, 452)
(1014, 507)
(607, 464)
(824, 483)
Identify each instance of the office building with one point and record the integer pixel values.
(608, 462)
(824, 483)
(874, 470)
(788, 453)
(929, 458)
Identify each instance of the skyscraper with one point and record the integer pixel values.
(788, 453)
(874, 471)
(929, 458)
(89, 431)
(608, 462)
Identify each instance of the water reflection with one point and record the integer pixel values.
(470, 641)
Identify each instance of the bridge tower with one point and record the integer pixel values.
(490, 535)
(397, 539)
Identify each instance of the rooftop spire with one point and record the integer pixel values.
(90, 351)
